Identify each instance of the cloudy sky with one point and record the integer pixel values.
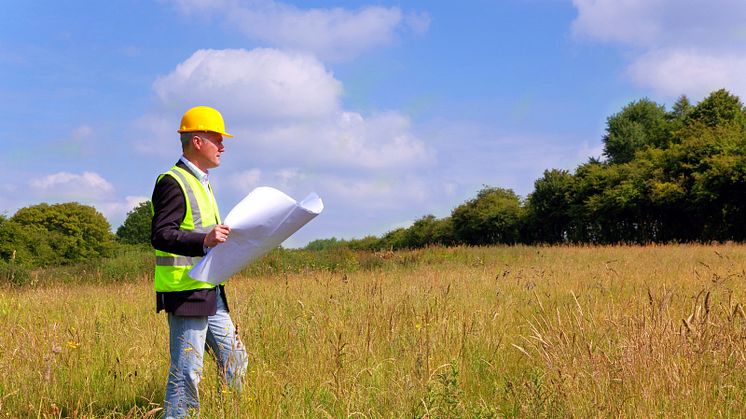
(388, 110)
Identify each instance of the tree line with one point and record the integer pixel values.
(665, 176)
(674, 175)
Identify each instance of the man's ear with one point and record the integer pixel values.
(196, 142)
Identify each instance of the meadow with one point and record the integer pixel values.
(619, 331)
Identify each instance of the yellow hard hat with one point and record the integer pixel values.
(203, 118)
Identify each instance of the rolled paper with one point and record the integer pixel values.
(259, 223)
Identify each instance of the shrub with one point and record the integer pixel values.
(14, 274)
(46, 234)
(136, 227)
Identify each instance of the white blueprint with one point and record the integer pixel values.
(259, 223)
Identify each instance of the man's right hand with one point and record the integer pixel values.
(217, 235)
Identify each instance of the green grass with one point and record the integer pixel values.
(463, 332)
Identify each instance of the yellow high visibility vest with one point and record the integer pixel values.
(172, 270)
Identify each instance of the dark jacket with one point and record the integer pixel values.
(169, 207)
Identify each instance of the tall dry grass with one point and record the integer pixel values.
(464, 332)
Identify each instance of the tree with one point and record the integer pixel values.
(707, 167)
(429, 230)
(394, 239)
(681, 109)
(668, 176)
(442, 231)
(136, 227)
(492, 217)
(368, 243)
(15, 241)
(60, 234)
(640, 124)
(719, 108)
(548, 207)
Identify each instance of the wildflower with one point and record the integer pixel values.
(72, 344)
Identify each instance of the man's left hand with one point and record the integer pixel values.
(218, 234)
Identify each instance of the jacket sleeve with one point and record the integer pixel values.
(169, 205)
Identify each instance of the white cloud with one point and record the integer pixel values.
(116, 211)
(288, 177)
(658, 23)
(626, 21)
(284, 107)
(348, 140)
(673, 71)
(132, 201)
(259, 84)
(88, 184)
(332, 34)
(363, 194)
(383, 140)
(343, 190)
(87, 188)
(246, 180)
(690, 47)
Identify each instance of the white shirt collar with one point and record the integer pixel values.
(202, 176)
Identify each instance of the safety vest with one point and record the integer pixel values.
(172, 270)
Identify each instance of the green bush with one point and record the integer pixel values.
(136, 227)
(14, 274)
(127, 263)
(492, 217)
(48, 235)
(324, 244)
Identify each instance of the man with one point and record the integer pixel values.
(186, 223)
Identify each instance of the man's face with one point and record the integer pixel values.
(210, 148)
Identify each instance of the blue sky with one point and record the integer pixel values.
(388, 110)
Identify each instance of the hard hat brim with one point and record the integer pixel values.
(224, 134)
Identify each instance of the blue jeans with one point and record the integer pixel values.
(189, 336)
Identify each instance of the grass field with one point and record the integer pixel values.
(464, 332)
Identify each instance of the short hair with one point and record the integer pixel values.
(186, 139)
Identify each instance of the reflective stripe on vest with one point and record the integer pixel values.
(177, 260)
(196, 213)
(172, 270)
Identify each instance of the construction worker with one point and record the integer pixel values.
(186, 224)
